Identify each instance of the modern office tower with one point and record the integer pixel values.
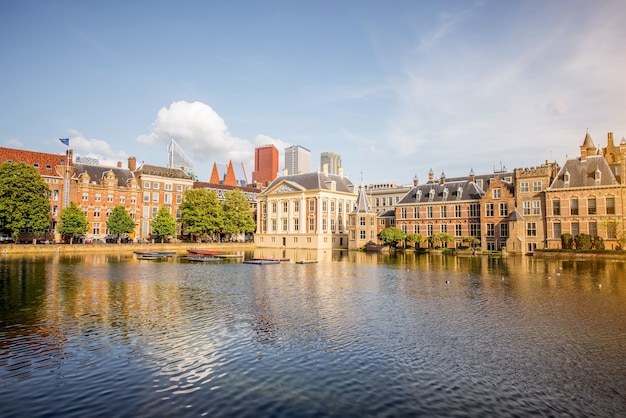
(265, 164)
(297, 160)
(333, 160)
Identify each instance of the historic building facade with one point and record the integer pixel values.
(437, 206)
(362, 223)
(588, 195)
(307, 210)
(495, 206)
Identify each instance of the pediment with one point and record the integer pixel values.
(285, 187)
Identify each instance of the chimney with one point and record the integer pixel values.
(340, 171)
(325, 168)
(285, 171)
(132, 163)
(610, 139)
(431, 175)
(442, 179)
(119, 164)
(415, 180)
(472, 177)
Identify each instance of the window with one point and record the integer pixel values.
(96, 228)
(531, 229)
(179, 187)
(179, 199)
(155, 209)
(285, 207)
(566, 179)
(496, 193)
(311, 225)
(526, 207)
(377, 202)
(536, 207)
(311, 205)
(167, 198)
(429, 212)
(122, 198)
(556, 208)
(146, 197)
(403, 213)
(98, 197)
(274, 207)
(284, 224)
(362, 234)
(332, 224)
(556, 230)
(155, 185)
(55, 194)
(474, 210)
(444, 211)
(597, 177)
(155, 197)
(85, 196)
(416, 212)
(475, 230)
(274, 225)
(491, 230)
(110, 198)
(610, 206)
(536, 186)
(296, 206)
(593, 229)
(146, 184)
(523, 186)
(573, 206)
(296, 224)
(504, 229)
(457, 211)
(362, 220)
(591, 206)
(146, 212)
(575, 229)
(324, 225)
(430, 230)
(458, 230)
(504, 209)
(332, 206)
(489, 209)
(168, 186)
(96, 212)
(444, 228)
(491, 246)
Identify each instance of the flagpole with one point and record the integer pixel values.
(66, 180)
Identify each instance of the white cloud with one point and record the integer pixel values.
(95, 148)
(200, 132)
(14, 143)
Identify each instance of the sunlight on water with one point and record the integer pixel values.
(354, 335)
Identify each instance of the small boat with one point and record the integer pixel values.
(262, 261)
(206, 252)
(203, 259)
(229, 255)
(306, 262)
(155, 253)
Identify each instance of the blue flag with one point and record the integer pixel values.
(66, 141)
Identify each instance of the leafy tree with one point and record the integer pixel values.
(472, 241)
(392, 236)
(120, 222)
(164, 223)
(23, 199)
(583, 242)
(237, 215)
(567, 241)
(441, 237)
(415, 238)
(201, 212)
(73, 221)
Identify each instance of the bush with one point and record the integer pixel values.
(567, 242)
(582, 242)
(597, 243)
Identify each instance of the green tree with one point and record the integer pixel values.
(416, 238)
(441, 237)
(238, 218)
(120, 222)
(23, 199)
(472, 241)
(73, 221)
(583, 242)
(164, 223)
(392, 236)
(567, 241)
(201, 212)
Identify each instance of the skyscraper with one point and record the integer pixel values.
(333, 160)
(297, 160)
(265, 164)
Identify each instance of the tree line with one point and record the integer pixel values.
(25, 204)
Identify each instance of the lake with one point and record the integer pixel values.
(353, 335)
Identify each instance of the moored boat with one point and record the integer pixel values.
(262, 261)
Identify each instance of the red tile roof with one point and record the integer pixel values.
(44, 163)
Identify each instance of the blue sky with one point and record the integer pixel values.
(396, 87)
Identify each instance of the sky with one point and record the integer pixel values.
(397, 88)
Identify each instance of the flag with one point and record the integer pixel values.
(66, 141)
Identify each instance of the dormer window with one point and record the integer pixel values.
(459, 192)
(566, 179)
(418, 195)
(597, 177)
(431, 194)
(445, 193)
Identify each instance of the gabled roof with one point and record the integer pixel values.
(447, 192)
(314, 181)
(154, 170)
(583, 173)
(362, 204)
(515, 216)
(44, 163)
(97, 172)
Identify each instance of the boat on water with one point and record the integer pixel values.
(229, 255)
(203, 259)
(154, 255)
(263, 261)
(306, 261)
(206, 252)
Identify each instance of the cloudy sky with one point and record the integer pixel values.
(396, 87)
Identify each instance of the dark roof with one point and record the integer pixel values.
(315, 181)
(515, 216)
(207, 185)
(583, 173)
(44, 163)
(362, 204)
(456, 190)
(97, 172)
(154, 170)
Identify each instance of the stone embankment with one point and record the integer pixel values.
(118, 248)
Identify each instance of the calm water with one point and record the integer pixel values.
(353, 335)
